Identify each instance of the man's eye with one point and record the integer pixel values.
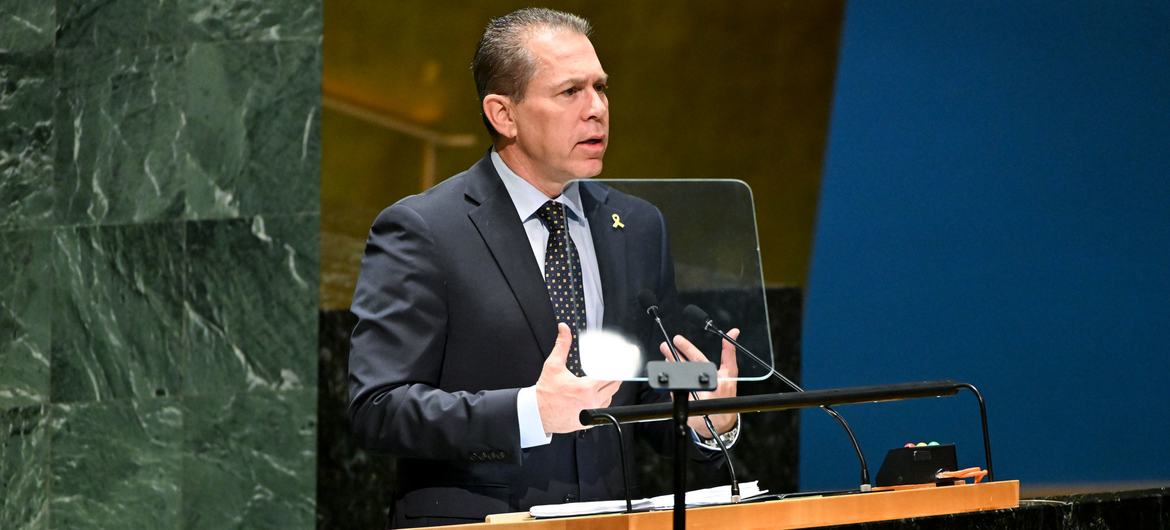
(600, 87)
(570, 91)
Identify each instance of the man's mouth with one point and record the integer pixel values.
(597, 140)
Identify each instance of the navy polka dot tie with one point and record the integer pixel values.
(562, 274)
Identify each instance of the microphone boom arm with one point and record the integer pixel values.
(798, 400)
(709, 326)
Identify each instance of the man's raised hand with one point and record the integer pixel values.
(561, 396)
(728, 371)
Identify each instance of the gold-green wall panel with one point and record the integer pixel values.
(698, 90)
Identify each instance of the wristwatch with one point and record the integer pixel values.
(728, 437)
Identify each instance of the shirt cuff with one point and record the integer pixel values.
(729, 438)
(528, 414)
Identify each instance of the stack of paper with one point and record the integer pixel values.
(703, 497)
(709, 496)
(586, 508)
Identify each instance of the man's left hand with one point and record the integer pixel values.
(728, 371)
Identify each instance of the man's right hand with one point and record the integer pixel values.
(561, 396)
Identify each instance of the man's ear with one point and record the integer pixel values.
(499, 112)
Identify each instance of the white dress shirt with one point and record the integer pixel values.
(528, 200)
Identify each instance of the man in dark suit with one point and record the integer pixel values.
(465, 361)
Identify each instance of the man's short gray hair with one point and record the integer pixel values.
(503, 64)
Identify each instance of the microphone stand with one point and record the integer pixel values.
(699, 316)
(647, 298)
(680, 379)
(798, 400)
(865, 484)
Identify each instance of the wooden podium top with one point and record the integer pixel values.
(799, 512)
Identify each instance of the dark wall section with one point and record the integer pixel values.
(996, 209)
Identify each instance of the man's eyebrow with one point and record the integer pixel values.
(574, 81)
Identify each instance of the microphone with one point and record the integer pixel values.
(700, 317)
(649, 302)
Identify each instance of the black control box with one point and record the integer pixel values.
(916, 465)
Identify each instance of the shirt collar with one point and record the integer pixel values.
(527, 199)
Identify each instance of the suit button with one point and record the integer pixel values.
(570, 498)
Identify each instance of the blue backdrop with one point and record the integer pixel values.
(996, 209)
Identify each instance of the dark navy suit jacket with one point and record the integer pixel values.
(454, 317)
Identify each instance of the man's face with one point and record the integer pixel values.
(562, 124)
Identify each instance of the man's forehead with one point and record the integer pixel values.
(568, 52)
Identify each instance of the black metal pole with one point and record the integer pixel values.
(797, 400)
(678, 379)
(680, 458)
(617, 426)
(986, 436)
(775, 402)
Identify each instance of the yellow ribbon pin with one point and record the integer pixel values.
(617, 221)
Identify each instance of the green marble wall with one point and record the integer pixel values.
(159, 214)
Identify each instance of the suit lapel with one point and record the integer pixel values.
(496, 220)
(609, 243)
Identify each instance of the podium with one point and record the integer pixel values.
(801, 512)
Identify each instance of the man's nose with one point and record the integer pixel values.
(598, 106)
